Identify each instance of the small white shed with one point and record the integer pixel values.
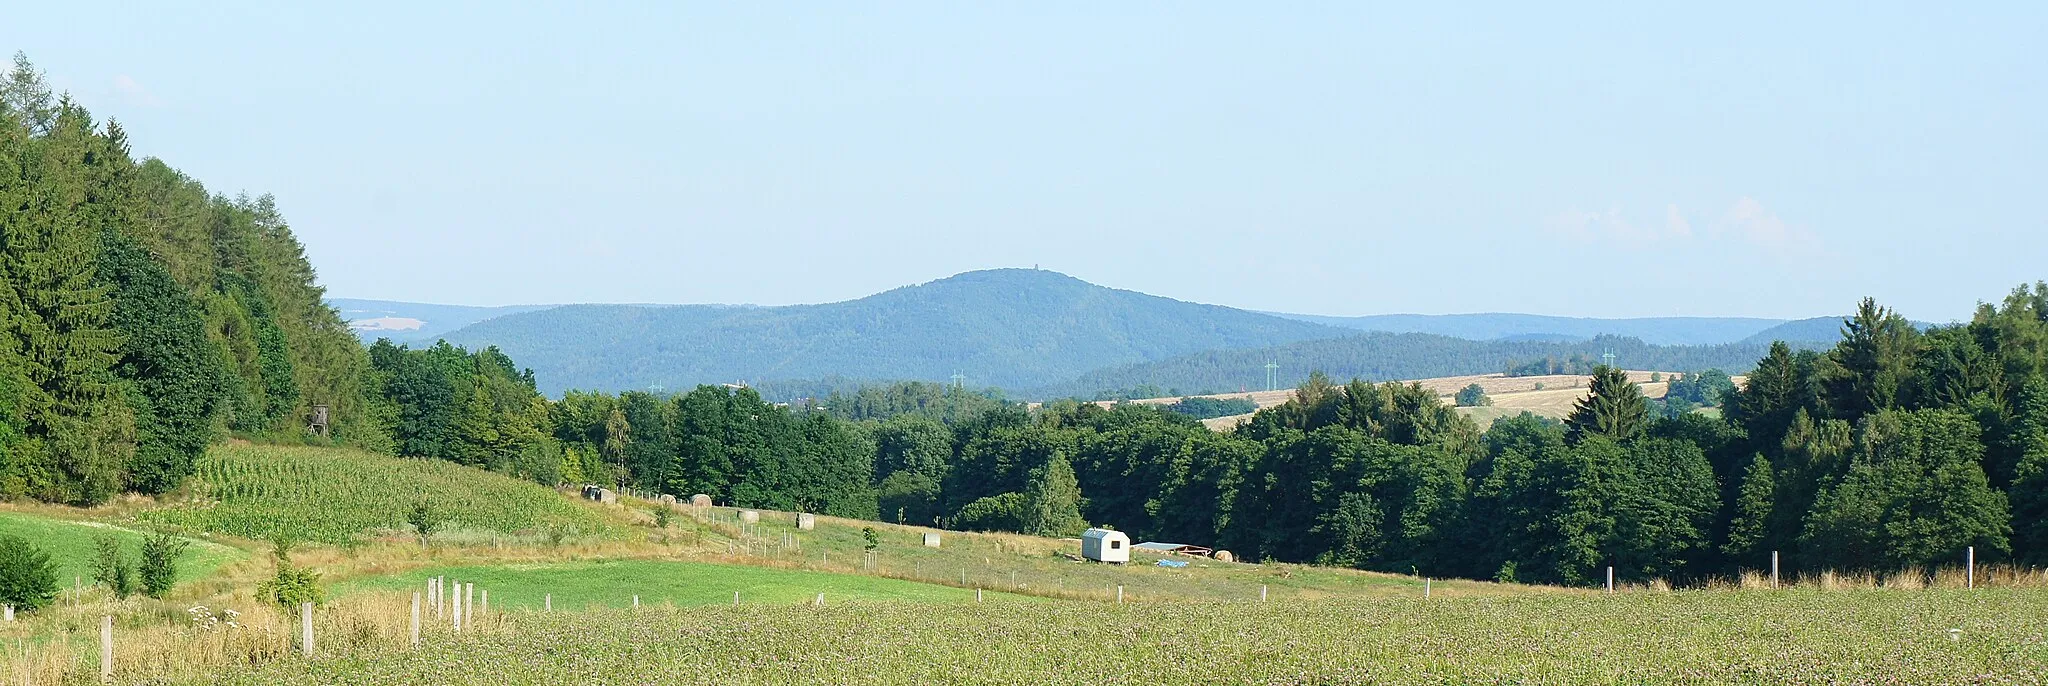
(1105, 545)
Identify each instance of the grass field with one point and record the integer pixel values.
(1699, 637)
(339, 496)
(70, 545)
(613, 583)
(1042, 566)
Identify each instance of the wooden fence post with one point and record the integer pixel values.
(415, 620)
(107, 648)
(455, 607)
(306, 629)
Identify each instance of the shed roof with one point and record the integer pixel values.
(1104, 533)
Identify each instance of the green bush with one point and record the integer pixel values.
(27, 580)
(160, 553)
(110, 568)
(290, 586)
(1473, 396)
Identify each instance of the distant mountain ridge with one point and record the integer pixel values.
(1513, 326)
(1012, 328)
(1030, 331)
(407, 322)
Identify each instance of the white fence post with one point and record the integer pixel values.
(415, 620)
(1970, 562)
(468, 603)
(1774, 569)
(636, 602)
(455, 607)
(10, 613)
(1119, 594)
(1610, 579)
(487, 600)
(1262, 593)
(306, 629)
(107, 648)
(1425, 588)
(735, 598)
(548, 603)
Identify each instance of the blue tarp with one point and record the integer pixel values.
(1172, 563)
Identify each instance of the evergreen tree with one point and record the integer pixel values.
(1748, 533)
(1916, 495)
(49, 245)
(1052, 503)
(1615, 408)
(1873, 365)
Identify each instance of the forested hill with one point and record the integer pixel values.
(1005, 327)
(1388, 356)
(141, 317)
(1512, 326)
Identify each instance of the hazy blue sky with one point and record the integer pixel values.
(1778, 159)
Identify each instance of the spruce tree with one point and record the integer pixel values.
(2030, 483)
(1748, 531)
(49, 246)
(1615, 408)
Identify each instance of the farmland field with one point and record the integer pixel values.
(1707, 637)
(337, 496)
(580, 585)
(70, 546)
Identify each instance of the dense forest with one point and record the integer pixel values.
(142, 317)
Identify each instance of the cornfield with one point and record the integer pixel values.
(338, 497)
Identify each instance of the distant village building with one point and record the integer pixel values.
(1106, 545)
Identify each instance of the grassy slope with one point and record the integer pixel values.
(613, 583)
(335, 496)
(70, 545)
(1800, 636)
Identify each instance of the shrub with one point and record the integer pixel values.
(290, 586)
(871, 538)
(423, 520)
(110, 568)
(27, 580)
(160, 553)
(662, 514)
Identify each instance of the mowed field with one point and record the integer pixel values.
(1547, 396)
(1987, 636)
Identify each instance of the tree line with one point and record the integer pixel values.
(142, 317)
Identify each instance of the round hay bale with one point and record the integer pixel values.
(750, 516)
(1224, 555)
(700, 500)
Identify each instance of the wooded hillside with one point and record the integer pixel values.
(142, 317)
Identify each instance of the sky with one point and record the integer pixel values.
(1610, 160)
